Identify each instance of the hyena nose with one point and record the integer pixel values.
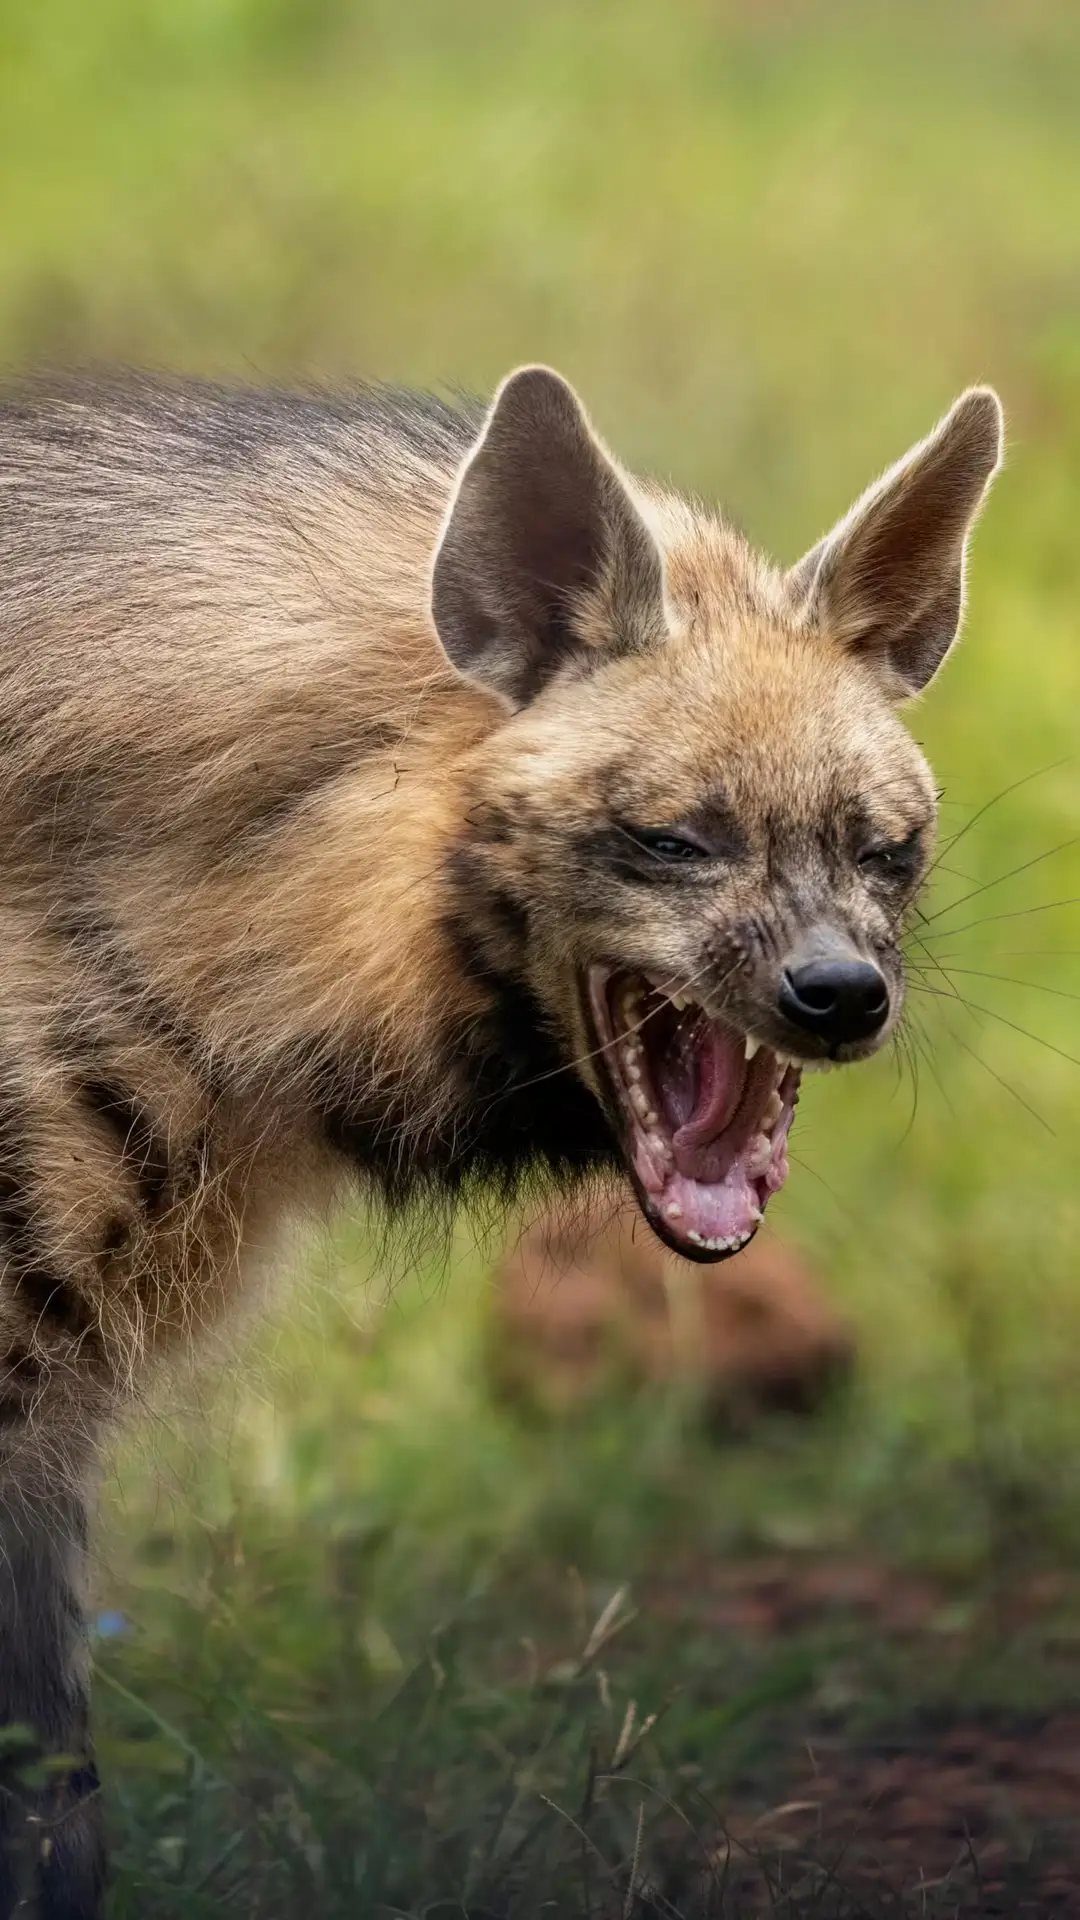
(835, 1000)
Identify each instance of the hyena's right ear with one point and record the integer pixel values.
(543, 553)
(888, 582)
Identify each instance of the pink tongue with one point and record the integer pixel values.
(721, 1078)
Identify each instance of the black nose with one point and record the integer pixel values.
(835, 1000)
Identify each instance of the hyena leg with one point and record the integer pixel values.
(52, 1848)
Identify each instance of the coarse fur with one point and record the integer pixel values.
(332, 730)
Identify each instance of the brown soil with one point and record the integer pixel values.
(584, 1297)
(949, 1813)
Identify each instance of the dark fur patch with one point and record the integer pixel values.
(489, 826)
(20, 1379)
(510, 917)
(491, 910)
(523, 1101)
(115, 1237)
(717, 825)
(96, 944)
(140, 1145)
(42, 1538)
(623, 845)
(520, 1108)
(47, 1296)
(83, 1781)
(50, 1298)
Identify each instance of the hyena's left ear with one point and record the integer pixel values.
(543, 553)
(889, 580)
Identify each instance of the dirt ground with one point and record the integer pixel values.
(950, 1811)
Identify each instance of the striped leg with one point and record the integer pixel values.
(52, 1849)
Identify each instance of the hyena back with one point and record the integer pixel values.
(401, 791)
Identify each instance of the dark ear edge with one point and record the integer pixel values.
(540, 532)
(889, 581)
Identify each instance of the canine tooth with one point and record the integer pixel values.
(774, 1108)
(752, 1046)
(673, 1210)
(696, 1238)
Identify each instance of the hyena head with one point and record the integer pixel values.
(698, 828)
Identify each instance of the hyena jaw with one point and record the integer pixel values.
(408, 790)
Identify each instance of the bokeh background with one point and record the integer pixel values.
(345, 1591)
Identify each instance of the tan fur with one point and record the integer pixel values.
(284, 894)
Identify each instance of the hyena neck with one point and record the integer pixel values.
(471, 1087)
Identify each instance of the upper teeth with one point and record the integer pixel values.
(752, 1046)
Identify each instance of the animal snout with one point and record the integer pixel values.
(835, 1000)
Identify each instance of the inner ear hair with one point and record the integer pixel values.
(888, 581)
(540, 524)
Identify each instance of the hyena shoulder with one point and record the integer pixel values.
(211, 631)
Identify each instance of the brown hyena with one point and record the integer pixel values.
(408, 792)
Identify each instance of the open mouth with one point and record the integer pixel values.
(706, 1112)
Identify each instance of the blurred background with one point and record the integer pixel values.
(372, 1625)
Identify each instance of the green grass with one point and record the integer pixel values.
(769, 239)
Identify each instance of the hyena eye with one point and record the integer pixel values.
(674, 849)
(896, 860)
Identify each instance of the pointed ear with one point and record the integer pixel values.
(888, 582)
(543, 555)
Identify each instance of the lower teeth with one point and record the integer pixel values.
(736, 1241)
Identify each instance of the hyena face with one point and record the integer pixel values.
(696, 835)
